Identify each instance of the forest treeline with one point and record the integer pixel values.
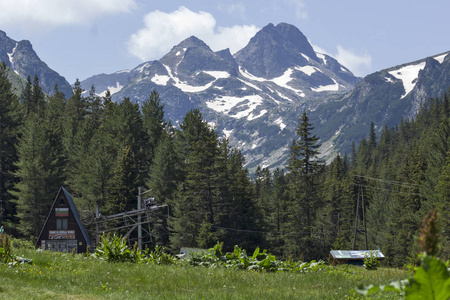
(102, 151)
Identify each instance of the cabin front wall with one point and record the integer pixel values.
(61, 232)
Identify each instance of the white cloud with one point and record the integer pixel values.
(38, 14)
(164, 30)
(359, 64)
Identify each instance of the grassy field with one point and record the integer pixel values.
(67, 276)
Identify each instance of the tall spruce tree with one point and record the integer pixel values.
(33, 201)
(153, 122)
(10, 117)
(196, 205)
(305, 170)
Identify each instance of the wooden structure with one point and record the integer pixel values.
(63, 230)
(126, 222)
(352, 257)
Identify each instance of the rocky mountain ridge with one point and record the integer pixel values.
(23, 60)
(254, 98)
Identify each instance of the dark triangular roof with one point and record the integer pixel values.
(74, 211)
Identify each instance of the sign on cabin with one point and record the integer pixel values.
(63, 230)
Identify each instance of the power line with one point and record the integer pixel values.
(387, 190)
(251, 231)
(390, 181)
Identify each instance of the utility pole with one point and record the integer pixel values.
(364, 218)
(139, 220)
(97, 215)
(339, 223)
(356, 216)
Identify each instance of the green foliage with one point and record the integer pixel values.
(258, 261)
(5, 248)
(10, 122)
(91, 278)
(159, 256)
(430, 281)
(6, 256)
(430, 234)
(114, 249)
(371, 261)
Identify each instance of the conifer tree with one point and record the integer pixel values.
(153, 122)
(197, 146)
(278, 219)
(10, 117)
(54, 128)
(305, 170)
(33, 201)
(122, 190)
(27, 95)
(164, 177)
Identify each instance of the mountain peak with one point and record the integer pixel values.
(24, 61)
(192, 41)
(274, 49)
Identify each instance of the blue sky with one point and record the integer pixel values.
(81, 38)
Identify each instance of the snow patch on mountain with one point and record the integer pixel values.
(322, 57)
(247, 75)
(283, 96)
(408, 75)
(218, 74)
(244, 106)
(284, 79)
(308, 70)
(123, 71)
(227, 133)
(253, 116)
(186, 87)
(306, 57)
(160, 79)
(440, 58)
(141, 68)
(10, 55)
(249, 84)
(112, 89)
(325, 88)
(280, 123)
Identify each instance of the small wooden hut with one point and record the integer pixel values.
(353, 257)
(63, 230)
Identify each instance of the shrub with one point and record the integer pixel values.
(160, 257)
(371, 261)
(114, 249)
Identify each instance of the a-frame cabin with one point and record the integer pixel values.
(63, 230)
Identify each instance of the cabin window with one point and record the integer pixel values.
(62, 224)
(62, 202)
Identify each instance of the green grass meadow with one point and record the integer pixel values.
(54, 275)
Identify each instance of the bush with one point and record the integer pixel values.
(371, 261)
(114, 249)
(160, 257)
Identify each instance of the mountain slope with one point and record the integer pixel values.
(21, 58)
(254, 97)
(384, 97)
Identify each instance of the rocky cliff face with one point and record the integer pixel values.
(21, 58)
